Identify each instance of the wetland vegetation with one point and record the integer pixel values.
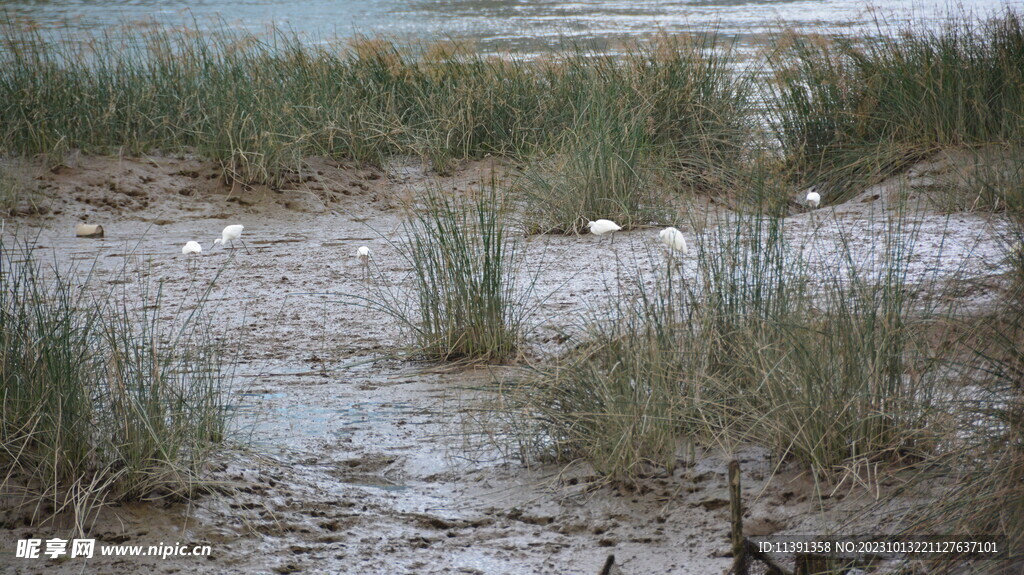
(843, 364)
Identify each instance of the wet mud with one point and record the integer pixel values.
(347, 459)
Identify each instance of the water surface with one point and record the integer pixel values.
(521, 26)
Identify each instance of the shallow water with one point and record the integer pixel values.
(518, 26)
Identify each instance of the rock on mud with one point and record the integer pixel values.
(89, 231)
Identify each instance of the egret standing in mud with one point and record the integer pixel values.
(191, 248)
(813, 201)
(363, 253)
(602, 227)
(230, 234)
(676, 244)
(674, 239)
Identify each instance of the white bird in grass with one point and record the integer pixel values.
(192, 247)
(230, 234)
(602, 227)
(674, 239)
(813, 199)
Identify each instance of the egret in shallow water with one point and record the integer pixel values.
(602, 227)
(192, 247)
(230, 234)
(674, 239)
(813, 199)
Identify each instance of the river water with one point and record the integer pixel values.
(497, 26)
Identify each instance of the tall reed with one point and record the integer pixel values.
(654, 120)
(259, 105)
(469, 301)
(845, 112)
(818, 363)
(103, 400)
(986, 454)
(623, 398)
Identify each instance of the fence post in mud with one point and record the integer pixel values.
(739, 549)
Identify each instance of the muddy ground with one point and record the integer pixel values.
(348, 460)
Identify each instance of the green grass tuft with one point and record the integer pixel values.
(469, 301)
(103, 400)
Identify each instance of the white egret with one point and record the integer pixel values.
(363, 253)
(230, 234)
(674, 239)
(191, 247)
(602, 227)
(813, 199)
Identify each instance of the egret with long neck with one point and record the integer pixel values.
(230, 234)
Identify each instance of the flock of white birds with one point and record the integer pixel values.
(228, 235)
(671, 237)
(234, 232)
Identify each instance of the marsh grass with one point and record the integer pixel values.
(845, 113)
(978, 179)
(661, 118)
(996, 178)
(259, 105)
(986, 454)
(813, 362)
(823, 364)
(103, 400)
(602, 169)
(621, 399)
(468, 302)
(18, 192)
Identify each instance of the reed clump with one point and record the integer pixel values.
(747, 351)
(986, 456)
(259, 105)
(655, 120)
(846, 112)
(103, 400)
(468, 301)
(623, 398)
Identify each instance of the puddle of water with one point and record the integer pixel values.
(272, 415)
(383, 485)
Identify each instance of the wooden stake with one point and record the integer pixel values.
(739, 549)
